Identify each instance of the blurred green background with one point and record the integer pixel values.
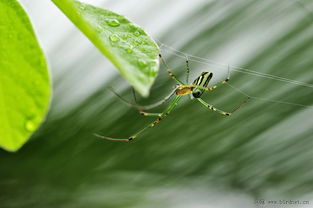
(194, 157)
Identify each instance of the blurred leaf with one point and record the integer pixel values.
(24, 78)
(126, 45)
(194, 157)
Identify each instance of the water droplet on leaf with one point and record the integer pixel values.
(82, 7)
(153, 63)
(137, 33)
(125, 36)
(113, 23)
(99, 28)
(142, 62)
(153, 69)
(142, 77)
(114, 38)
(133, 28)
(136, 42)
(30, 125)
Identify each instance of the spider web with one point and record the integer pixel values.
(243, 70)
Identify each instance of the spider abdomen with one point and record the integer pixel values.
(201, 81)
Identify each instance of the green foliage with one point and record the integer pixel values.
(194, 157)
(24, 79)
(126, 45)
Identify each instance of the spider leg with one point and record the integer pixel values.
(211, 107)
(110, 139)
(150, 114)
(156, 104)
(134, 95)
(131, 104)
(143, 107)
(188, 69)
(150, 125)
(143, 112)
(171, 74)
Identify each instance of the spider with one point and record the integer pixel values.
(195, 90)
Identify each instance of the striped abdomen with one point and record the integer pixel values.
(202, 81)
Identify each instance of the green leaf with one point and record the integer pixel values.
(126, 45)
(194, 157)
(24, 78)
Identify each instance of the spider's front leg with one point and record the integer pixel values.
(187, 69)
(171, 74)
(219, 84)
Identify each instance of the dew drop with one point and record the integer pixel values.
(99, 28)
(114, 38)
(137, 33)
(82, 7)
(113, 23)
(30, 125)
(153, 71)
(125, 36)
(126, 47)
(133, 28)
(142, 62)
(142, 77)
(153, 63)
(136, 42)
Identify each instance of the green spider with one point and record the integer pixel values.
(195, 90)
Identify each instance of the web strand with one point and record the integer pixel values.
(234, 68)
(205, 61)
(267, 100)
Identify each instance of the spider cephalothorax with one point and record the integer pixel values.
(197, 87)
